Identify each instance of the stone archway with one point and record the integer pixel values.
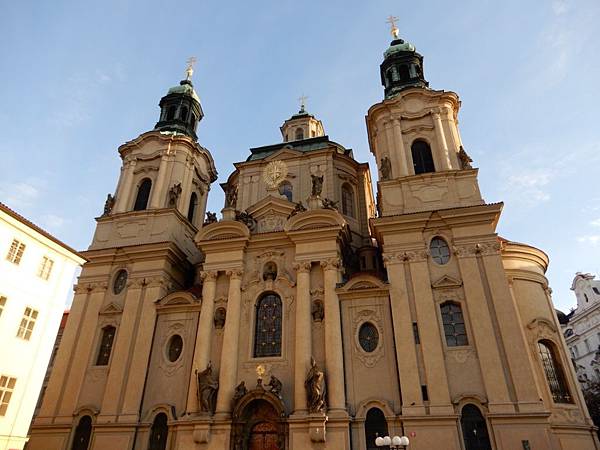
(258, 422)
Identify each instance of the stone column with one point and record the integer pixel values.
(303, 341)
(334, 358)
(203, 335)
(443, 156)
(183, 202)
(395, 157)
(158, 191)
(229, 354)
(124, 192)
(402, 156)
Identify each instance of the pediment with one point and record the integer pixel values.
(111, 308)
(180, 298)
(363, 281)
(284, 153)
(222, 230)
(271, 213)
(446, 282)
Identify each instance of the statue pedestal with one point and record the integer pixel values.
(228, 213)
(316, 427)
(314, 202)
(201, 433)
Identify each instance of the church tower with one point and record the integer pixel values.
(143, 248)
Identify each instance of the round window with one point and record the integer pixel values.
(368, 337)
(175, 347)
(440, 252)
(120, 281)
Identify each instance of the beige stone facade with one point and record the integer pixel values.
(423, 321)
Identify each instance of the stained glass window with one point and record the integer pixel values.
(368, 337)
(454, 325)
(554, 373)
(267, 334)
(108, 337)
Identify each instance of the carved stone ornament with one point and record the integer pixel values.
(211, 217)
(174, 194)
(275, 173)
(317, 185)
(298, 208)
(246, 219)
(240, 391)
(485, 249)
(405, 256)
(275, 386)
(208, 275)
(369, 359)
(220, 317)
(208, 386)
(331, 263)
(385, 168)
(330, 204)
(315, 388)
(108, 205)
(464, 158)
(317, 311)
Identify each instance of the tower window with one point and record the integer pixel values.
(422, 158)
(192, 207)
(83, 432)
(454, 324)
(554, 373)
(143, 194)
(108, 337)
(267, 334)
(375, 426)
(347, 200)
(299, 134)
(171, 112)
(404, 74)
(183, 113)
(286, 189)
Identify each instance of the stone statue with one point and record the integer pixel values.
(108, 205)
(330, 204)
(219, 319)
(465, 160)
(231, 196)
(317, 311)
(240, 391)
(210, 218)
(208, 385)
(298, 208)
(386, 168)
(174, 194)
(317, 185)
(315, 388)
(275, 386)
(246, 219)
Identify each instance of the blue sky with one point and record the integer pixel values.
(77, 79)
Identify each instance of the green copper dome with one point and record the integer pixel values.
(185, 88)
(399, 45)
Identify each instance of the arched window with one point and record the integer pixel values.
(143, 194)
(375, 425)
(422, 158)
(83, 432)
(267, 333)
(192, 207)
(108, 337)
(158, 433)
(554, 372)
(474, 429)
(404, 75)
(171, 112)
(183, 113)
(299, 134)
(286, 189)
(454, 324)
(347, 200)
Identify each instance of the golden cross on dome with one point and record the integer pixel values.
(189, 71)
(392, 21)
(302, 99)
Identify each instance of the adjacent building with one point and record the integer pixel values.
(36, 274)
(582, 328)
(313, 314)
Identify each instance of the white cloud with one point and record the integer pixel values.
(530, 186)
(595, 223)
(53, 221)
(560, 7)
(593, 239)
(19, 195)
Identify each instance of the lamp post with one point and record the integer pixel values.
(395, 442)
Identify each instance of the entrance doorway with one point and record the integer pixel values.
(264, 436)
(474, 429)
(259, 422)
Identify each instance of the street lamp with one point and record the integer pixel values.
(395, 442)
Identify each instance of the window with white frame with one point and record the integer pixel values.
(7, 387)
(15, 252)
(2, 304)
(45, 268)
(27, 323)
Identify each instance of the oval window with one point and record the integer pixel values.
(368, 337)
(440, 252)
(175, 348)
(120, 281)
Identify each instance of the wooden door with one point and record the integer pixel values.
(264, 437)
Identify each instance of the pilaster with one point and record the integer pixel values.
(303, 341)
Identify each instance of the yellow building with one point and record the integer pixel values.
(307, 317)
(36, 273)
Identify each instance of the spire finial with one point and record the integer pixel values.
(302, 99)
(189, 71)
(394, 29)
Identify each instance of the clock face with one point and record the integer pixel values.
(275, 173)
(120, 281)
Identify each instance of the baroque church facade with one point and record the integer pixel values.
(312, 314)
